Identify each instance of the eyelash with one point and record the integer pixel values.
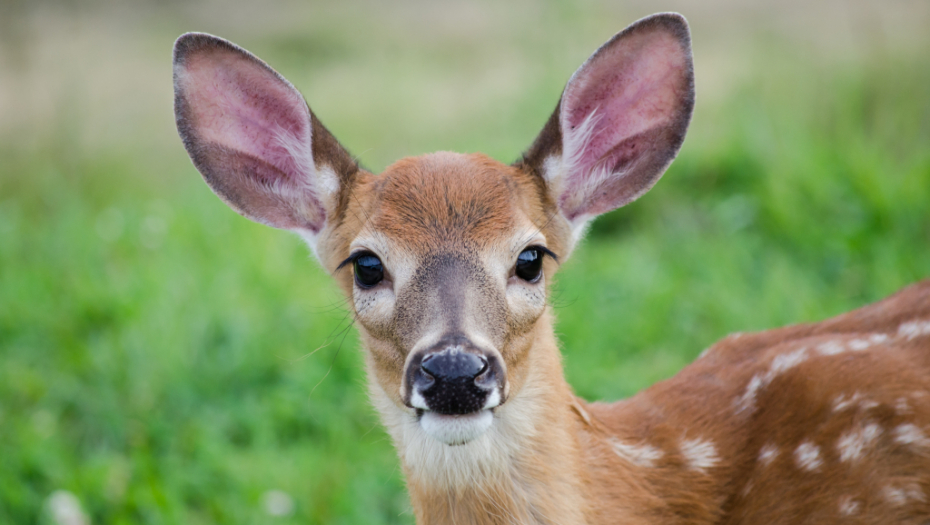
(545, 251)
(351, 259)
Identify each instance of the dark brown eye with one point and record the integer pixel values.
(529, 265)
(368, 270)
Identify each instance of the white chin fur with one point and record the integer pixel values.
(456, 430)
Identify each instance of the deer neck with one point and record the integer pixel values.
(525, 469)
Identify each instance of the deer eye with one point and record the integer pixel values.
(529, 265)
(368, 270)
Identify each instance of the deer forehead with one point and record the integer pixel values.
(449, 203)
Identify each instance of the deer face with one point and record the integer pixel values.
(446, 257)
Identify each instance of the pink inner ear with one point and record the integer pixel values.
(626, 89)
(240, 105)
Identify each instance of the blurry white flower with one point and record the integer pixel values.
(278, 503)
(65, 509)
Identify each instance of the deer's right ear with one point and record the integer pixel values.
(620, 122)
(253, 138)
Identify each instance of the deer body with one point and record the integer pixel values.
(446, 259)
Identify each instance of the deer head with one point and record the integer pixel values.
(446, 257)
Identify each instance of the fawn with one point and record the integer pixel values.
(446, 259)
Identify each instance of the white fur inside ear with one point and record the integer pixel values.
(554, 172)
(576, 141)
(300, 150)
(557, 167)
(322, 181)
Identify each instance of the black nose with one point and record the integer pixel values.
(454, 378)
(452, 366)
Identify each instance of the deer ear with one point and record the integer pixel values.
(620, 122)
(253, 138)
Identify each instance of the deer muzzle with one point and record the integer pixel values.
(454, 386)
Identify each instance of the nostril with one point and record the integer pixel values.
(484, 367)
(423, 380)
(448, 365)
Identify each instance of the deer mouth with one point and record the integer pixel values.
(455, 429)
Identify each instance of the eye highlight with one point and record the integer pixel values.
(529, 264)
(368, 269)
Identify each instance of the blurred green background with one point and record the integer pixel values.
(163, 360)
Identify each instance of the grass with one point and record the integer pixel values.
(169, 362)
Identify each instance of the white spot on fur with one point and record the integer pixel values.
(830, 348)
(807, 456)
(914, 329)
(853, 444)
(848, 506)
(780, 364)
(858, 345)
(700, 454)
(901, 495)
(642, 455)
(768, 454)
(894, 495)
(910, 434)
(901, 406)
(748, 400)
(842, 401)
(784, 362)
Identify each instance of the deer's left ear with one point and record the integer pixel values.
(620, 121)
(254, 139)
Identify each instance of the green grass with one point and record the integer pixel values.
(169, 362)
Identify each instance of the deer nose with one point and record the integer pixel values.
(456, 379)
(454, 366)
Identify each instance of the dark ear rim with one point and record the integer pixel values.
(675, 23)
(194, 41)
(325, 148)
(191, 43)
(549, 140)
